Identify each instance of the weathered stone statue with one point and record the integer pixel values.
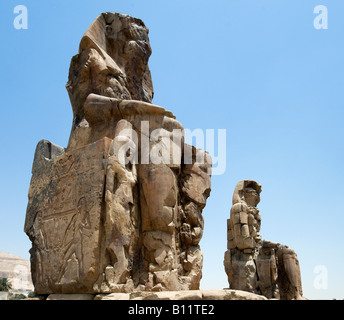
(120, 209)
(252, 264)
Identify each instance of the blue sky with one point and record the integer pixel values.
(258, 69)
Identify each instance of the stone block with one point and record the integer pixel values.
(79, 296)
(245, 231)
(243, 218)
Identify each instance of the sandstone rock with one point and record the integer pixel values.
(165, 295)
(64, 220)
(230, 295)
(112, 62)
(120, 209)
(70, 297)
(253, 265)
(113, 296)
(185, 295)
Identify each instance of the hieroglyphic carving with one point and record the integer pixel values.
(66, 227)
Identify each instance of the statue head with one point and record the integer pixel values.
(247, 191)
(112, 61)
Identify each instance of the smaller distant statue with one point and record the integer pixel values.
(256, 265)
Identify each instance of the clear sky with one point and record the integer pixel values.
(258, 69)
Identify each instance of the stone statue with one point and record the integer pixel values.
(256, 265)
(119, 209)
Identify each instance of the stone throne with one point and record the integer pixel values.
(119, 209)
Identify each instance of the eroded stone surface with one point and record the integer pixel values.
(184, 295)
(120, 209)
(256, 265)
(64, 219)
(78, 296)
(112, 62)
